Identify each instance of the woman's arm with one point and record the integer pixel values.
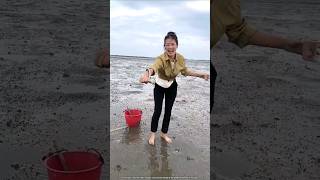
(203, 75)
(307, 49)
(145, 76)
(103, 59)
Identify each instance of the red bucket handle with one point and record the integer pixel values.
(53, 153)
(97, 153)
(127, 110)
(64, 150)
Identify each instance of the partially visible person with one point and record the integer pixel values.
(103, 59)
(226, 19)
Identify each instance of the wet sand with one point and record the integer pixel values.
(266, 119)
(130, 154)
(50, 89)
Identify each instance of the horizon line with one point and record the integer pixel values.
(154, 57)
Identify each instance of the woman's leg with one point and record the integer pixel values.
(170, 96)
(158, 94)
(212, 84)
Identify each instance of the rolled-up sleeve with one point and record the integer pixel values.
(156, 65)
(238, 30)
(184, 71)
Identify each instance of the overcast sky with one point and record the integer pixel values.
(138, 27)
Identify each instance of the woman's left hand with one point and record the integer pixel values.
(307, 49)
(310, 50)
(205, 76)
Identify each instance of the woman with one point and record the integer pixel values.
(166, 67)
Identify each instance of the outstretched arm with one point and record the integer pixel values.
(144, 78)
(193, 73)
(308, 49)
(242, 34)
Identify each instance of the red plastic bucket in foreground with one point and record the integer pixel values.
(133, 117)
(81, 165)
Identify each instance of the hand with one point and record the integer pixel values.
(103, 59)
(307, 49)
(144, 78)
(205, 76)
(310, 50)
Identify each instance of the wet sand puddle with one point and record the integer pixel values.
(132, 156)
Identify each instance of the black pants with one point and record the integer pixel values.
(213, 78)
(170, 96)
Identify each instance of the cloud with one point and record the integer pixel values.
(200, 6)
(138, 28)
(194, 47)
(124, 11)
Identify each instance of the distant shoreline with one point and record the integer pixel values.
(148, 58)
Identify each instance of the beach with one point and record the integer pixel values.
(266, 116)
(265, 123)
(130, 154)
(51, 92)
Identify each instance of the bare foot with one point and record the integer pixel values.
(152, 138)
(166, 137)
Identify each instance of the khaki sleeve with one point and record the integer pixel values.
(156, 65)
(238, 30)
(184, 70)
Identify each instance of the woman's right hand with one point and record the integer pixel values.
(144, 78)
(205, 76)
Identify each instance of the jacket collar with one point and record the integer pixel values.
(166, 57)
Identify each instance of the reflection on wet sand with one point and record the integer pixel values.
(156, 169)
(132, 135)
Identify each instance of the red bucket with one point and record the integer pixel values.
(81, 165)
(133, 117)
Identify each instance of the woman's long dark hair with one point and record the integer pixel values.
(170, 35)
